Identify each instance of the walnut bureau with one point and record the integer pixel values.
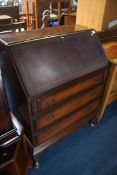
(61, 78)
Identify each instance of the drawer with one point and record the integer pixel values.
(70, 106)
(66, 122)
(69, 91)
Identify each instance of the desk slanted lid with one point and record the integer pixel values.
(44, 64)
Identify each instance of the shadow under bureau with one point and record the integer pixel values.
(59, 82)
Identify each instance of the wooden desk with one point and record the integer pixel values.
(72, 87)
(110, 93)
(10, 19)
(5, 19)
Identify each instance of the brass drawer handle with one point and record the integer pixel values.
(50, 102)
(50, 117)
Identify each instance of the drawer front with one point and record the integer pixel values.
(61, 111)
(54, 98)
(66, 122)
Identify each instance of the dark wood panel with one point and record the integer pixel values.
(42, 6)
(12, 11)
(108, 35)
(5, 118)
(15, 158)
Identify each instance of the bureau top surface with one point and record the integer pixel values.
(10, 38)
(44, 64)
